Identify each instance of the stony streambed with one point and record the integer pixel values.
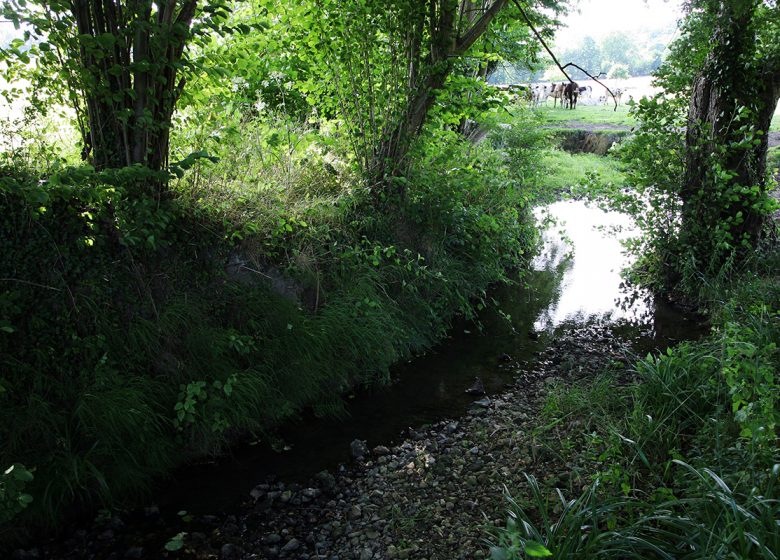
(434, 495)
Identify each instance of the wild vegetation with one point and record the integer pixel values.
(683, 448)
(253, 207)
(272, 209)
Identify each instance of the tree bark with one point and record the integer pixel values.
(130, 86)
(728, 94)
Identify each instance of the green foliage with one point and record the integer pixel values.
(115, 64)
(13, 498)
(618, 72)
(750, 332)
(133, 345)
(638, 54)
(699, 198)
(566, 170)
(654, 159)
(141, 326)
(584, 528)
(675, 250)
(713, 401)
(176, 542)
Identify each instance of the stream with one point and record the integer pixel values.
(574, 285)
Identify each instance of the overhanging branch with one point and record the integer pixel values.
(555, 60)
(594, 79)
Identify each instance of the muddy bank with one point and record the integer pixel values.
(596, 141)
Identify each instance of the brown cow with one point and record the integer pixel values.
(570, 93)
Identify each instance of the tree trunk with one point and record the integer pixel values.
(129, 77)
(727, 96)
(391, 154)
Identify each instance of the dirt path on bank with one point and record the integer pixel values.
(431, 497)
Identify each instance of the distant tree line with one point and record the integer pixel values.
(617, 55)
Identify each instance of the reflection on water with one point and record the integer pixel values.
(573, 285)
(589, 262)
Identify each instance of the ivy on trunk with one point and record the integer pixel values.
(731, 105)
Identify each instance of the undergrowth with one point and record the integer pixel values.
(684, 460)
(136, 333)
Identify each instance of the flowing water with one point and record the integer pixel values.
(574, 285)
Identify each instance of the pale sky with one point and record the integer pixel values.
(601, 17)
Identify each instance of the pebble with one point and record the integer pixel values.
(228, 552)
(359, 448)
(291, 546)
(354, 513)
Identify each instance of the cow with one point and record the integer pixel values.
(557, 93)
(540, 94)
(570, 93)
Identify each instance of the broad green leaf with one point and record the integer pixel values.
(536, 549)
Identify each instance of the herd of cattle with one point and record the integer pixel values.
(567, 93)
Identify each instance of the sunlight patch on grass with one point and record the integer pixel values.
(566, 170)
(591, 114)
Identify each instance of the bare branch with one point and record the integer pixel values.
(555, 60)
(594, 79)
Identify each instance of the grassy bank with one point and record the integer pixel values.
(679, 455)
(567, 170)
(138, 333)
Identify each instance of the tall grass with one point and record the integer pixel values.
(694, 465)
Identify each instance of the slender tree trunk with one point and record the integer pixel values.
(130, 77)
(391, 154)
